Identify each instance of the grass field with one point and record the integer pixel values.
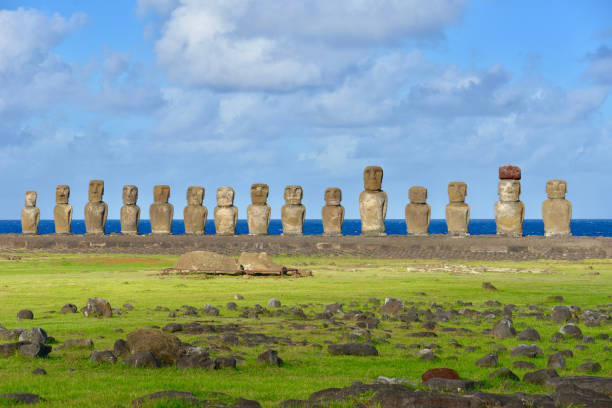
(44, 283)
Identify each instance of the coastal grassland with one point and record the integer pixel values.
(45, 282)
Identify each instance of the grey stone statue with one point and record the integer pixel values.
(332, 213)
(373, 202)
(161, 212)
(195, 214)
(226, 214)
(96, 210)
(30, 215)
(130, 212)
(293, 212)
(418, 212)
(258, 212)
(62, 212)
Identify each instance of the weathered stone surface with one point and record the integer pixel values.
(274, 303)
(130, 212)
(526, 350)
(556, 211)
(352, 349)
(293, 213)
(270, 357)
(373, 202)
(225, 362)
(11, 334)
(592, 367)
(35, 350)
(446, 385)
(489, 360)
(332, 213)
(418, 212)
(30, 215)
(25, 314)
(226, 214)
(20, 398)
(207, 261)
(161, 212)
(258, 212)
(164, 346)
(427, 355)
(447, 373)
(96, 210)
(524, 364)
(555, 360)
(141, 359)
(504, 373)
(529, 335)
(184, 398)
(509, 211)
(561, 314)
(62, 212)
(121, 348)
(457, 211)
(540, 377)
(258, 262)
(97, 307)
(69, 308)
(509, 172)
(195, 214)
(392, 306)
(195, 357)
(571, 330)
(574, 396)
(601, 385)
(504, 329)
(34, 335)
(105, 356)
(9, 349)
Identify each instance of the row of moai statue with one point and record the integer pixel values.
(509, 210)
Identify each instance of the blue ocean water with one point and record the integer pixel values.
(315, 227)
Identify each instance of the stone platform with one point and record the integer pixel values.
(483, 247)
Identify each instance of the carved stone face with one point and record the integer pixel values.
(333, 196)
(293, 195)
(509, 190)
(195, 195)
(161, 194)
(130, 195)
(556, 188)
(225, 196)
(96, 190)
(259, 193)
(417, 195)
(457, 190)
(62, 194)
(372, 178)
(30, 198)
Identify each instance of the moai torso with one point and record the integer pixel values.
(96, 210)
(332, 214)
(130, 212)
(457, 211)
(373, 202)
(226, 214)
(195, 214)
(556, 211)
(30, 215)
(161, 212)
(418, 212)
(258, 213)
(293, 212)
(62, 212)
(509, 211)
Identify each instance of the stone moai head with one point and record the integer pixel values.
(259, 193)
(195, 195)
(96, 190)
(333, 196)
(225, 196)
(457, 190)
(556, 188)
(62, 194)
(372, 178)
(161, 194)
(509, 190)
(417, 195)
(293, 195)
(130, 195)
(30, 198)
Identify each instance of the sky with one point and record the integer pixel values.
(308, 92)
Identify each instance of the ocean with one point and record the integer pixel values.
(601, 228)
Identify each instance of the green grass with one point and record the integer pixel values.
(44, 283)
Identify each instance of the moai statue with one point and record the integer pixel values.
(373, 202)
(418, 212)
(509, 210)
(258, 213)
(457, 211)
(62, 213)
(130, 212)
(226, 214)
(556, 211)
(332, 212)
(30, 215)
(195, 214)
(96, 210)
(293, 212)
(161, 212)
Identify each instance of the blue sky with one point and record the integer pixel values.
(234, 92)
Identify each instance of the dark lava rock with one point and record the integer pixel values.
(105, 356)
(526, 350)
(556, 361)
(561, 314)
(210, 310)
(274, 303)
(574, 396)
(20, 398)
(34, 335)
(446, 385)
(120, 348)
(35, 350)
(128, 306)
(422, 334)
(141, 359)
(392, 306)
(592, 367)
(488, 286)
(195, 357)
(571, 330)
(602, 385)
(183, 398)
(270, 357)
(540, 377)
(69, 308)
(164, 346)
(231, 306)
(504, 329)
(352, 349)
(529, 335)
(524, 364)
(225, 362)
(39, 371)
(9, 349)
(409, 317)
(11, 334)
(427, 355)
(557, 337)
(25, 315)
(504, 373)
(97, 307)
(333, 308)
(447, 373)
(86, 343)
(173, 327)
(490, 360)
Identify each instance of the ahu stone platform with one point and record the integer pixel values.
(479, 247)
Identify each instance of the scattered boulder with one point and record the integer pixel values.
(556, 360)
(529, 335)
(571, 330)
(195, 357)
(524, 364)
(121, 348)
(504, 373)
(173, 327)
(25, 315)
(574, 396)
(225, 362)
(392, 306)
(561, 314)
(9, 349)
(591, 367)
(39, 371)
(427, 355)
(20, 398)
(86, 343)
(11, 334)
(447, 373)
(333, 308)
(504, 329)
(231, 306)
(164, 346)
(488, 286)
(105, 356)
(141, 359)
(602, 385)
(35, 350)
(69, 308)
(540, 377)
(270, 357)
(207, 261)
(274, 303)
(238, 296)
(489, 360)
(34, 335)
(526, 350)
(352, 349)
(183, 398)
(210, 310)
(446, 385)
(97, 307)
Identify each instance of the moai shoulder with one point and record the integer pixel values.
(556, 210)
(130, 212)
(195, 214)
(62, 212)
(258, 212)
(457, 211)
(332, 213)
(226, 214)
(30, 215)
(293, 213)
(373, 202)
(418, 212)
